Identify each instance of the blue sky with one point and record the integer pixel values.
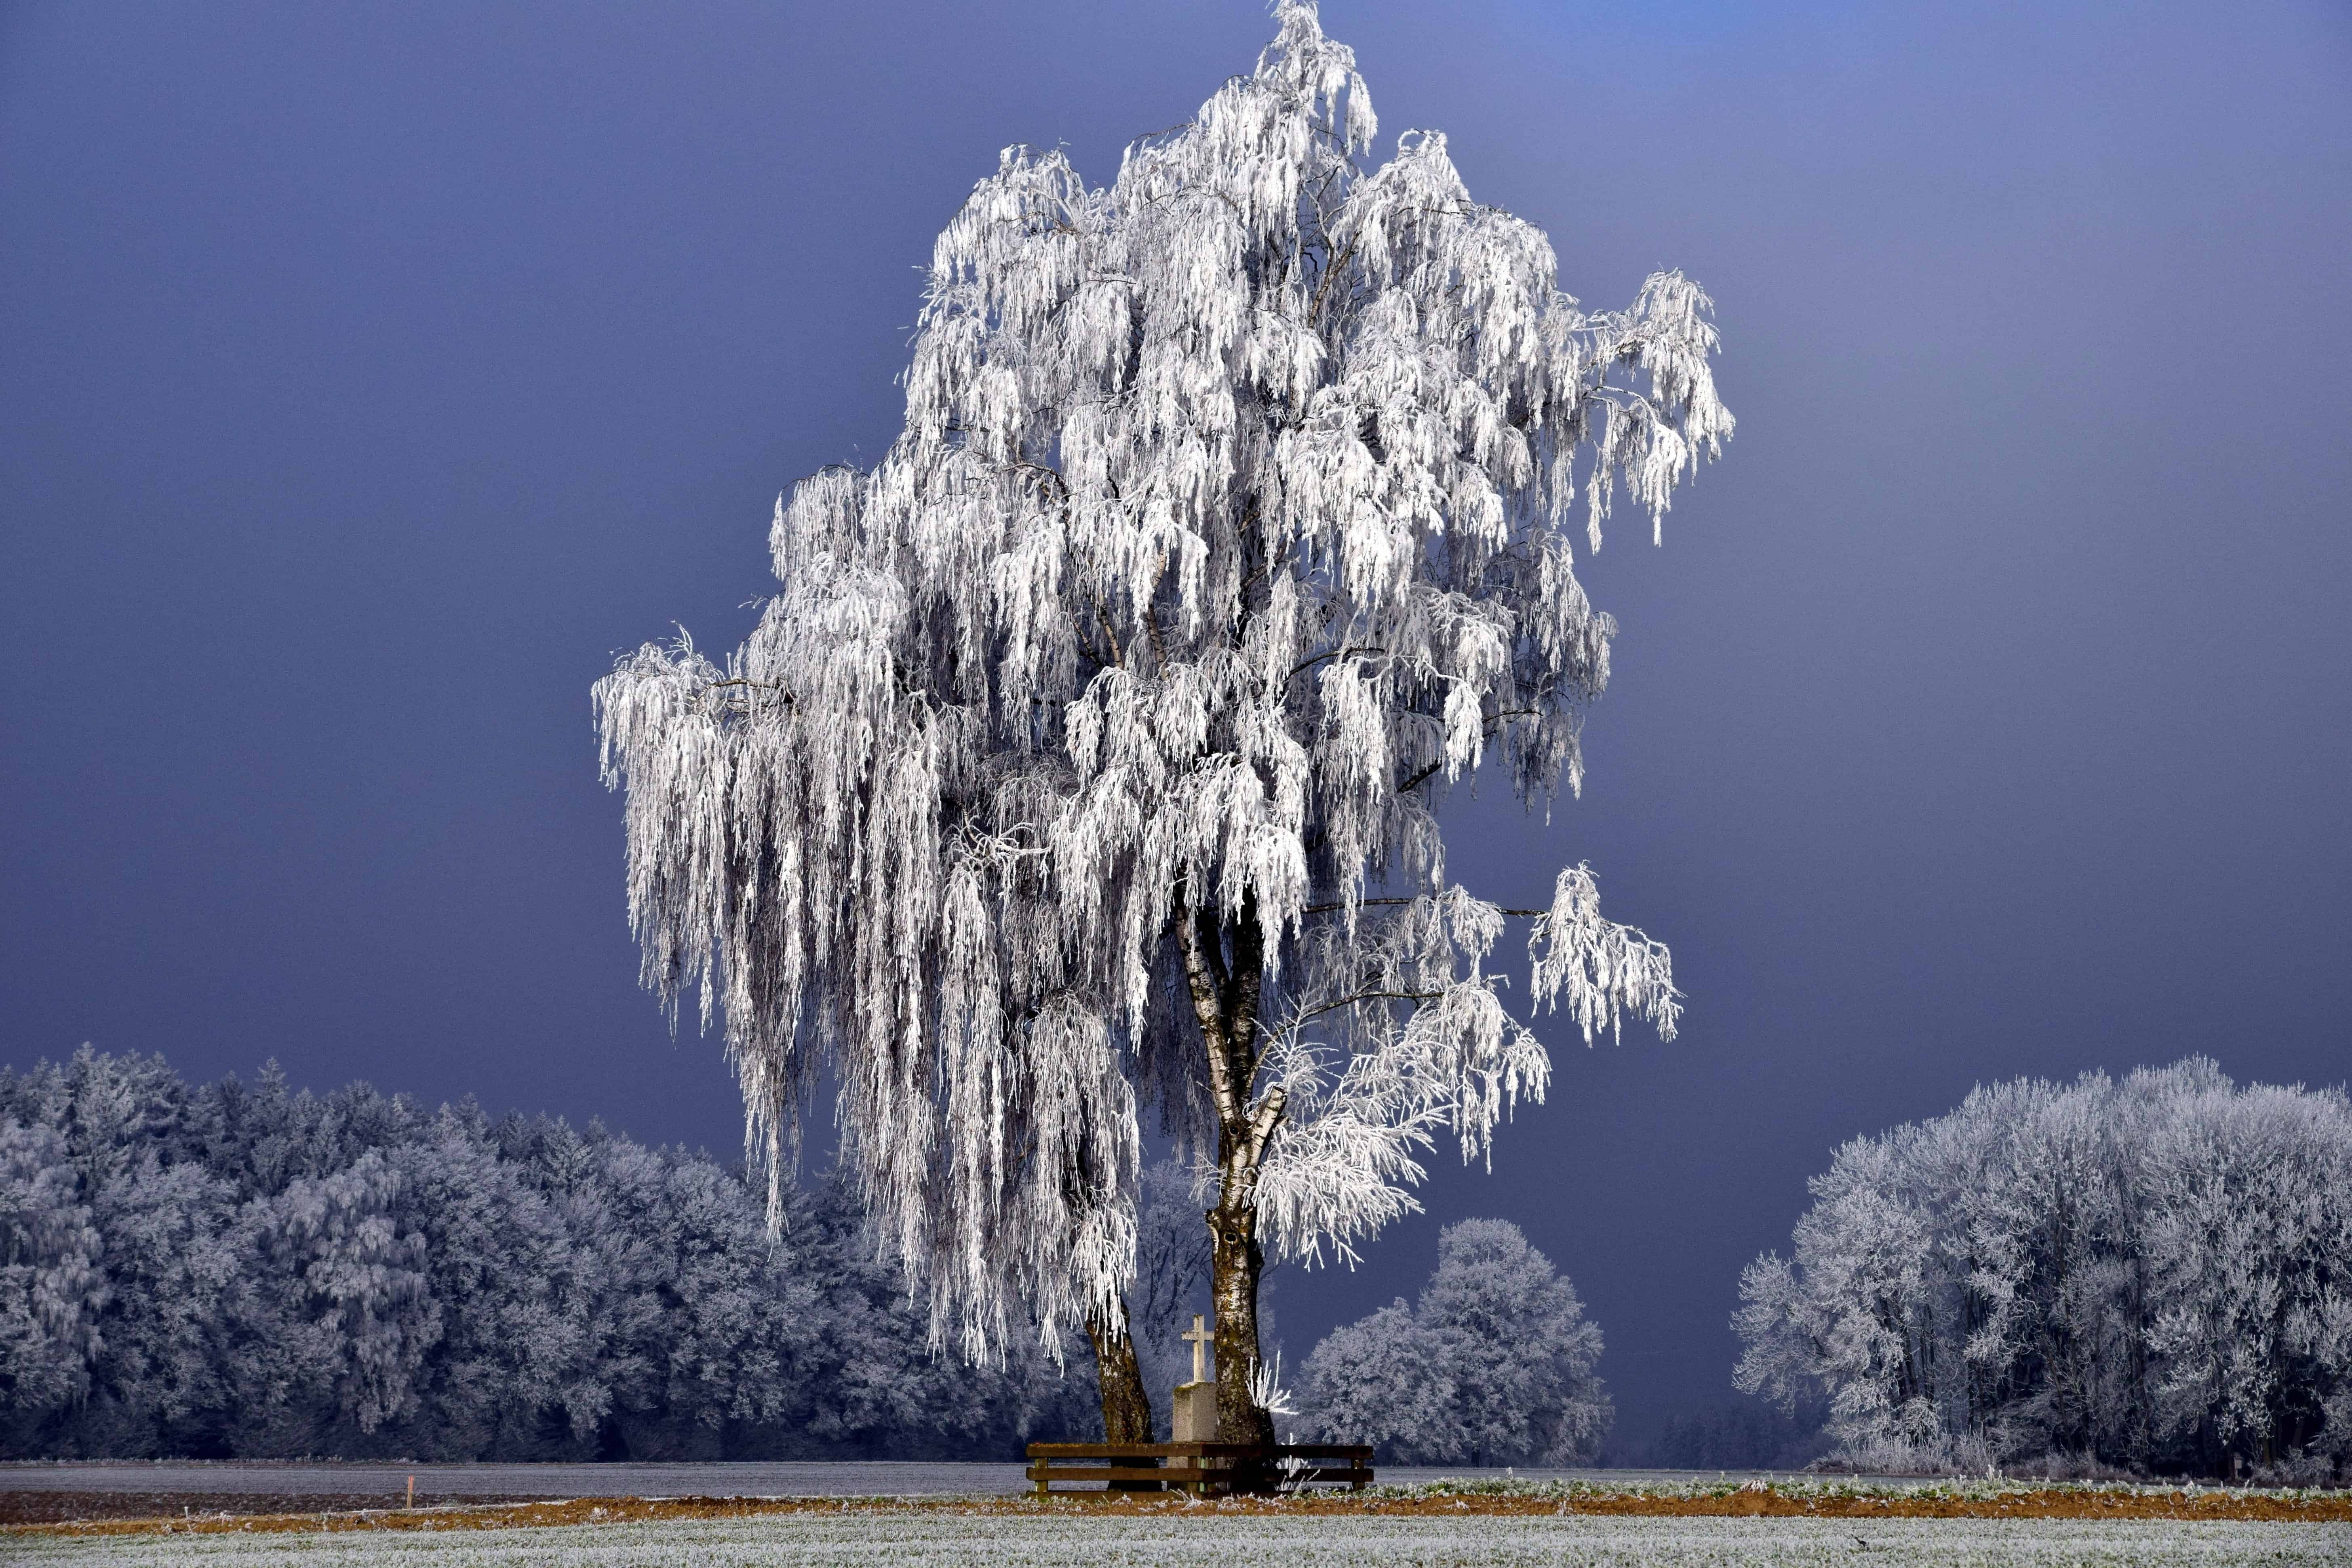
(372, 373)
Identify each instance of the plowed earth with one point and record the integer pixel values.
(2105, 1503)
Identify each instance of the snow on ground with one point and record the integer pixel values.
(828, 1477)
(915, 1540)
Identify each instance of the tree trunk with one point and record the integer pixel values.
(1126, 1408)
(1225, 970)
(1237, 1260)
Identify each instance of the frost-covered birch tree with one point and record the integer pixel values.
(1086, 766)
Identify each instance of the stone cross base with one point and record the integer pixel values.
(1196, 1412)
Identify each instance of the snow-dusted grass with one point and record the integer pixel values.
(908, 1539)
(1583, 1487)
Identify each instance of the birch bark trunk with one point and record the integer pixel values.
(1224, 970)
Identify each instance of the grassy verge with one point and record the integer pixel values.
(1818, 1500)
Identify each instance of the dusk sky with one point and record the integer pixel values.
(371, 374)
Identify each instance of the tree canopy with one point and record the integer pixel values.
(1494, 1365)
(2154, 1273)
(1085, 764)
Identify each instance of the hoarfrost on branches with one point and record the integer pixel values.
(51, 1287)
(1492, 1365)
(233, 1270)
(1230, 525)
(2150, 1273)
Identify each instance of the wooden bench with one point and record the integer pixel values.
(1203, 1470)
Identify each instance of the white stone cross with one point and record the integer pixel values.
(1200, 1337)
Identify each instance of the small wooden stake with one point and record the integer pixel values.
(412, 1491)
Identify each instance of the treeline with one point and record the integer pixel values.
(234, 1270)
(2150, 1276)
(2154, 1275)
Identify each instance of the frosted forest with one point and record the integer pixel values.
(2153, 1274)
(2139, 1276)
(239, 1270)
(236, 1270)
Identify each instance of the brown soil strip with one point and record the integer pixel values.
(2116, 1504)
(71, 1507)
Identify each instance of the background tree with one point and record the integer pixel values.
(1227, 530)
(1494, 1365)
(51, 1288)
(2155, 1274)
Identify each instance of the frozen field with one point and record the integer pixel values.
(39, 1492)
(890, 1539)
(386, 1479)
